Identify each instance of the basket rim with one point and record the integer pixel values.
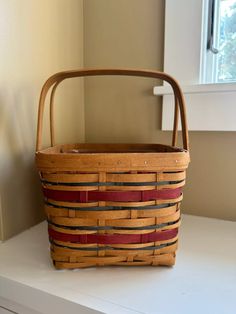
(174, 159)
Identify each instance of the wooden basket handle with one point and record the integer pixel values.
(57, 78)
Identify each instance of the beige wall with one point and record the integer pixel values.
(37, 39)
(130, 34)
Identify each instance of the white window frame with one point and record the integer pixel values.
(210, 107)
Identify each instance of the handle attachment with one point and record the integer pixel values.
(57, 78)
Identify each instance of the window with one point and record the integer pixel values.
(220, 49)
(207, 79)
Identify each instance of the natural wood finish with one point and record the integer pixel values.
(175, 126)
(63, 254)
(110, 147)
(56, 79)
(112, 167)
(118, 214)
(129, 247)
(52, 96)
(155, 161)
(113, 231)
(131, 205)
(113, 188)
(81, 262)
(113, 177)
(140, 222)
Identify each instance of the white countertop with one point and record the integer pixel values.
(202, 281)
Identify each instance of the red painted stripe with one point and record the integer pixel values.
(117, 196)
(113, 238)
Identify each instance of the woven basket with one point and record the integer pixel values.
(112, 204)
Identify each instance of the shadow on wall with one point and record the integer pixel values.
(19, 183)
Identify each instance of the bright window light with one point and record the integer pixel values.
(226, 65)
(220, 55)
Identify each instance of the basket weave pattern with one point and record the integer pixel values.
(112, 204)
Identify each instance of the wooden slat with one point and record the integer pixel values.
(72, 204)
(58, 252)
(70, 177)
(124, 246)
(117, 214)
(121, 204)
(113, 188)
(140, 222)
(113, 231)
(162, 259)
(112, 162)
(112, 177)
(145, 188)
(69, 188)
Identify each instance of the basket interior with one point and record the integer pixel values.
(96, 148)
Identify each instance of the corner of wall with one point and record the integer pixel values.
(1, 222)
(57, 37)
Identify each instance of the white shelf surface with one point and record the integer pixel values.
(202, 281)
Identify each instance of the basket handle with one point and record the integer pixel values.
(57, 78)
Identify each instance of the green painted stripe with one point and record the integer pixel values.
(110, 183)
(109, 208)
(115, 249)
(96, 228)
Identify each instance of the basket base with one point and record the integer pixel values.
(158, 260)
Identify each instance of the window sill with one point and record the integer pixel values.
(197, 89)
(210, 107)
